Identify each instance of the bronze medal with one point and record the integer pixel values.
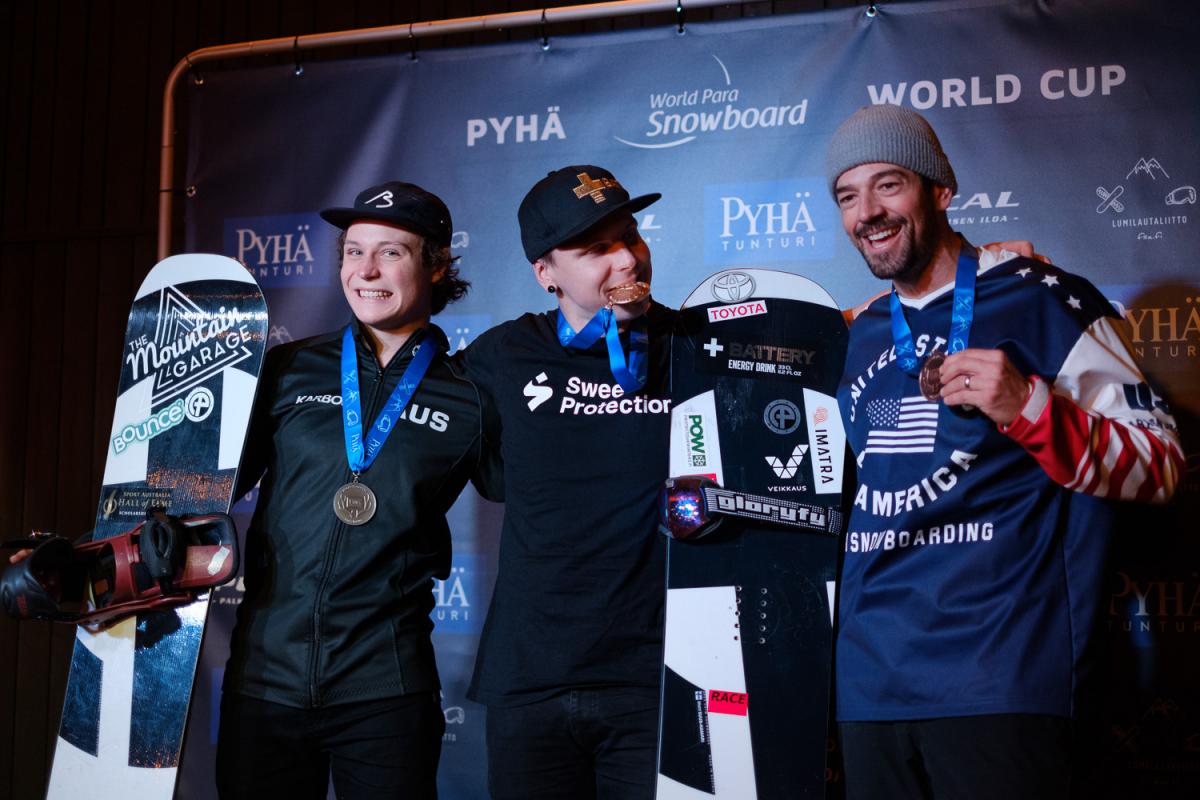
(628, 293)
(354, 503)
(930, 380)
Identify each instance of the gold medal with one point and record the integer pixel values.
(628, 293)
(354, 503)
(930, 379)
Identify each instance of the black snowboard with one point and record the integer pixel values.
(746, 675)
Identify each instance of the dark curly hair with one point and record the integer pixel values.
(448, 289)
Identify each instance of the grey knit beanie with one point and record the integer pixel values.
(890, 134)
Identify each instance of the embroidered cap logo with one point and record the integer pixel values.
(594, 188)
(385, 196)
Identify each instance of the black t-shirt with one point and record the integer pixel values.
(580, 590)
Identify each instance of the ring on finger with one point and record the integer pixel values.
(967, 382)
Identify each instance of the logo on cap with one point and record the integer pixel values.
(594, 188)
(386, 196)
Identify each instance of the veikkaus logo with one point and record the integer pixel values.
(787, 469)
(190, 345)
(676, 117)
(768, 221)
(516, 128)
(284, 249)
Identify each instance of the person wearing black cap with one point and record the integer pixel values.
(363, 438)
(995, 410)
(571, 651)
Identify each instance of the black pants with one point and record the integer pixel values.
(376, 749)
(583, 744)
(991, 757)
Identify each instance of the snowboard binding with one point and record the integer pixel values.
(165, 561)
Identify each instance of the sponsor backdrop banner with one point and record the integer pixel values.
(1072, 124)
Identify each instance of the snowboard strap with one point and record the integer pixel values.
(165, 561)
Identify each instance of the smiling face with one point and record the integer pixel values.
(586, 268)
(894, 218)
(387, 285)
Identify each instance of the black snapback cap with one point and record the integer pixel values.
(405, 205)
(567, 202)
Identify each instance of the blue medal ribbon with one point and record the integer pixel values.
(631, 373)
(961, 314)
(362, 455)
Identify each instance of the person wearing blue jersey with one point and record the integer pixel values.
(996, 412)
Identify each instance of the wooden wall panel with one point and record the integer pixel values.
(7, 20)
(42, 78)
(95, 79)
(81, 85)
(15, 286)
(20, 92)
(65, 140)
(43, 389)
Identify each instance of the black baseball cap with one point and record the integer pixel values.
(405, 205)
(567, 202)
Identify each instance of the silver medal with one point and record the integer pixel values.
(354, 503)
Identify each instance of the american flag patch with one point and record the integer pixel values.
(901, 425)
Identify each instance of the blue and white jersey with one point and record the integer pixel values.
(974, 556)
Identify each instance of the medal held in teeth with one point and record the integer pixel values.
(628, 293)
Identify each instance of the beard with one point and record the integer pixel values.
(913, 252)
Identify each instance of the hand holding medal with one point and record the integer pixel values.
(930, 372)
(969, 378)
(986, 380)
(930, 379)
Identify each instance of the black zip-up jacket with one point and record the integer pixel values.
(333, 613)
